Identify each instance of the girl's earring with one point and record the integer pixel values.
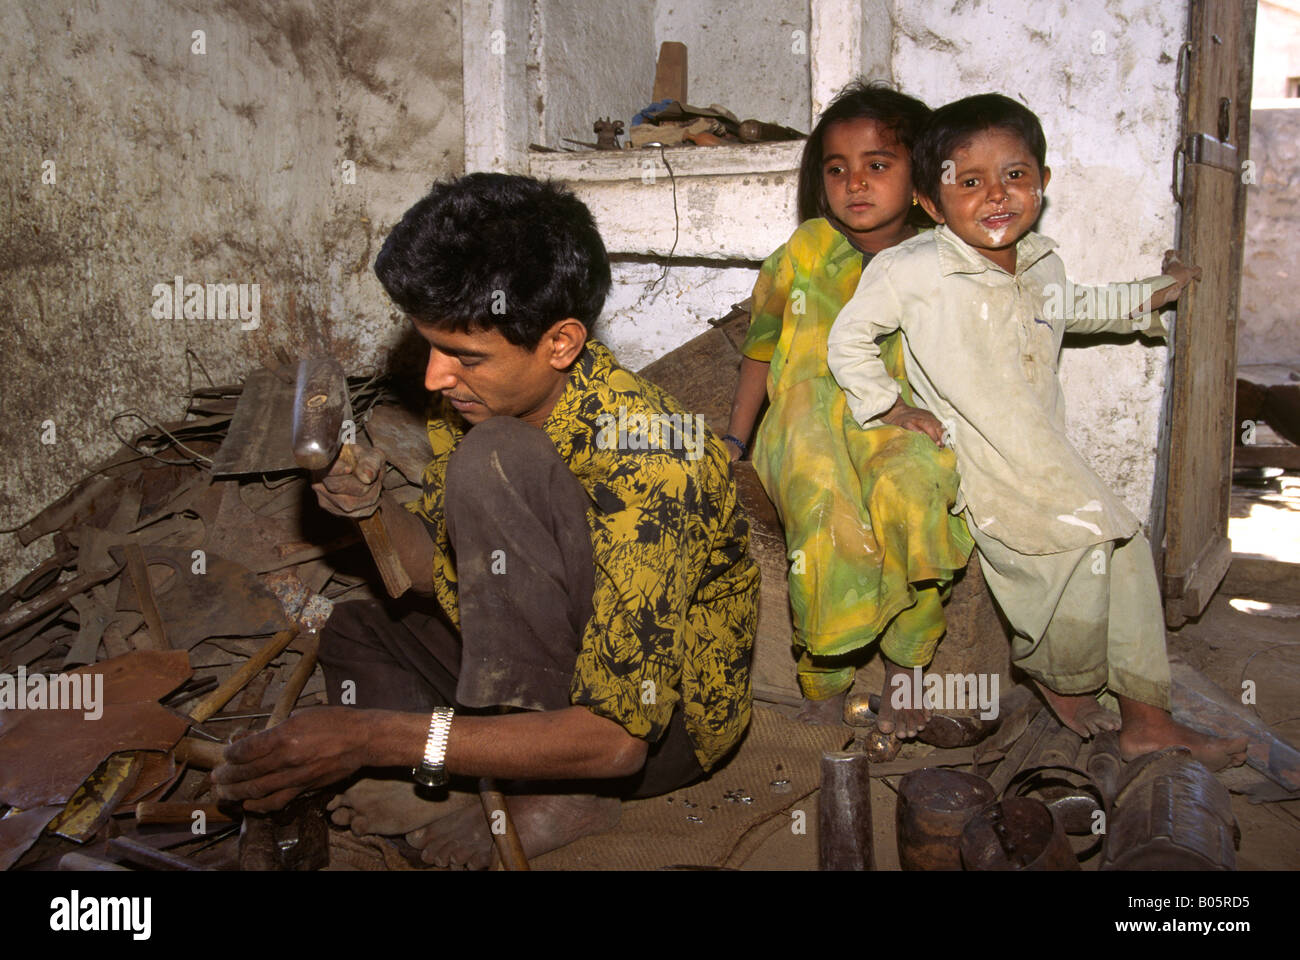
(914, 201)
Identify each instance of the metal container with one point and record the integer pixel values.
(934, 806)
(1171, 814)
(1018, 833)
(844, 813)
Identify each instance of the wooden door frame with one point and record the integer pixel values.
(1187, 593)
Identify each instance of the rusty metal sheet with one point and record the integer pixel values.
(45, 755)
(404, 438)
(260, 438)
(226, 600)
(233, 530)
(158, 771)
(95, 613)
(20, 829)
(1199, 704)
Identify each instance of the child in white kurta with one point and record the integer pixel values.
(983, 304)
(982, 357)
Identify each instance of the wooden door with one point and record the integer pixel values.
(1214, 88)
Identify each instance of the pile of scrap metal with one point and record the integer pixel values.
(180, 608)
(1035, 796)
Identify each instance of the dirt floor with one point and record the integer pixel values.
(1251, 631)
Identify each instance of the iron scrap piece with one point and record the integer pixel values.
(45, 755)
(403, 437)
(259, 439)
(607, 132)
(1201, 705)
(1171, 814)
(294, 838)
(227, 600)
(844, 813)
(1017, 833)
(19, 829)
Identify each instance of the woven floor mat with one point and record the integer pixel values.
(660, 831)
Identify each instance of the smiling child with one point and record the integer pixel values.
(981, 305)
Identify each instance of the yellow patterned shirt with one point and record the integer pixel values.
(676, 597)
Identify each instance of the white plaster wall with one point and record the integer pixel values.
(1269, 330)
(1277, 47)
(1100, 75)
(596, 59)
(645, 317)
(745, 56)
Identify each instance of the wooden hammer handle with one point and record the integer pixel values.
(396, 582)
(509, 848)
(219, 697)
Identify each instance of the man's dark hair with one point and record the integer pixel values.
(953, 126)
(496, 252)
(904, 116)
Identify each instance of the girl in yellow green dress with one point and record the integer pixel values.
(871, 542)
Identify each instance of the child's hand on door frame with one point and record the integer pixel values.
(1173, 266)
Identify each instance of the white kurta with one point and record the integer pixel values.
(981, 348)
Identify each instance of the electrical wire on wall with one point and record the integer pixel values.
(663, 156)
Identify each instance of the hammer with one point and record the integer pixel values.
(320, 406)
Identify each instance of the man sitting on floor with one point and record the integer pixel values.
(582, 536)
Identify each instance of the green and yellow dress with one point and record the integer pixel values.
(871, 542)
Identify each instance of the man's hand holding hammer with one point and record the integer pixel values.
(353, 489)
(319, 746)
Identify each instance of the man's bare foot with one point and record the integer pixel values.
(823, 713)
(1081, 713)
(1148, 729)
(545, 822)
(902, 712)
(389, 808)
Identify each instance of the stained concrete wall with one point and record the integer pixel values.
(1269, 328)
(220, 166)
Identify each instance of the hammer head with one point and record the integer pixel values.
(320, 405)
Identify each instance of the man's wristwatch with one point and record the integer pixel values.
(432, 771)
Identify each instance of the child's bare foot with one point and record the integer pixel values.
(388, 808)
(823, 713)
(1148, 729)
(1081, 713)
(909, 719)
(545, 822)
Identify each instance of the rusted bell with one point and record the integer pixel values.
(1018, 833)
(934, 806)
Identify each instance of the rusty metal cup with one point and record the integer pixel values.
(1019, 833)
(934, 806)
